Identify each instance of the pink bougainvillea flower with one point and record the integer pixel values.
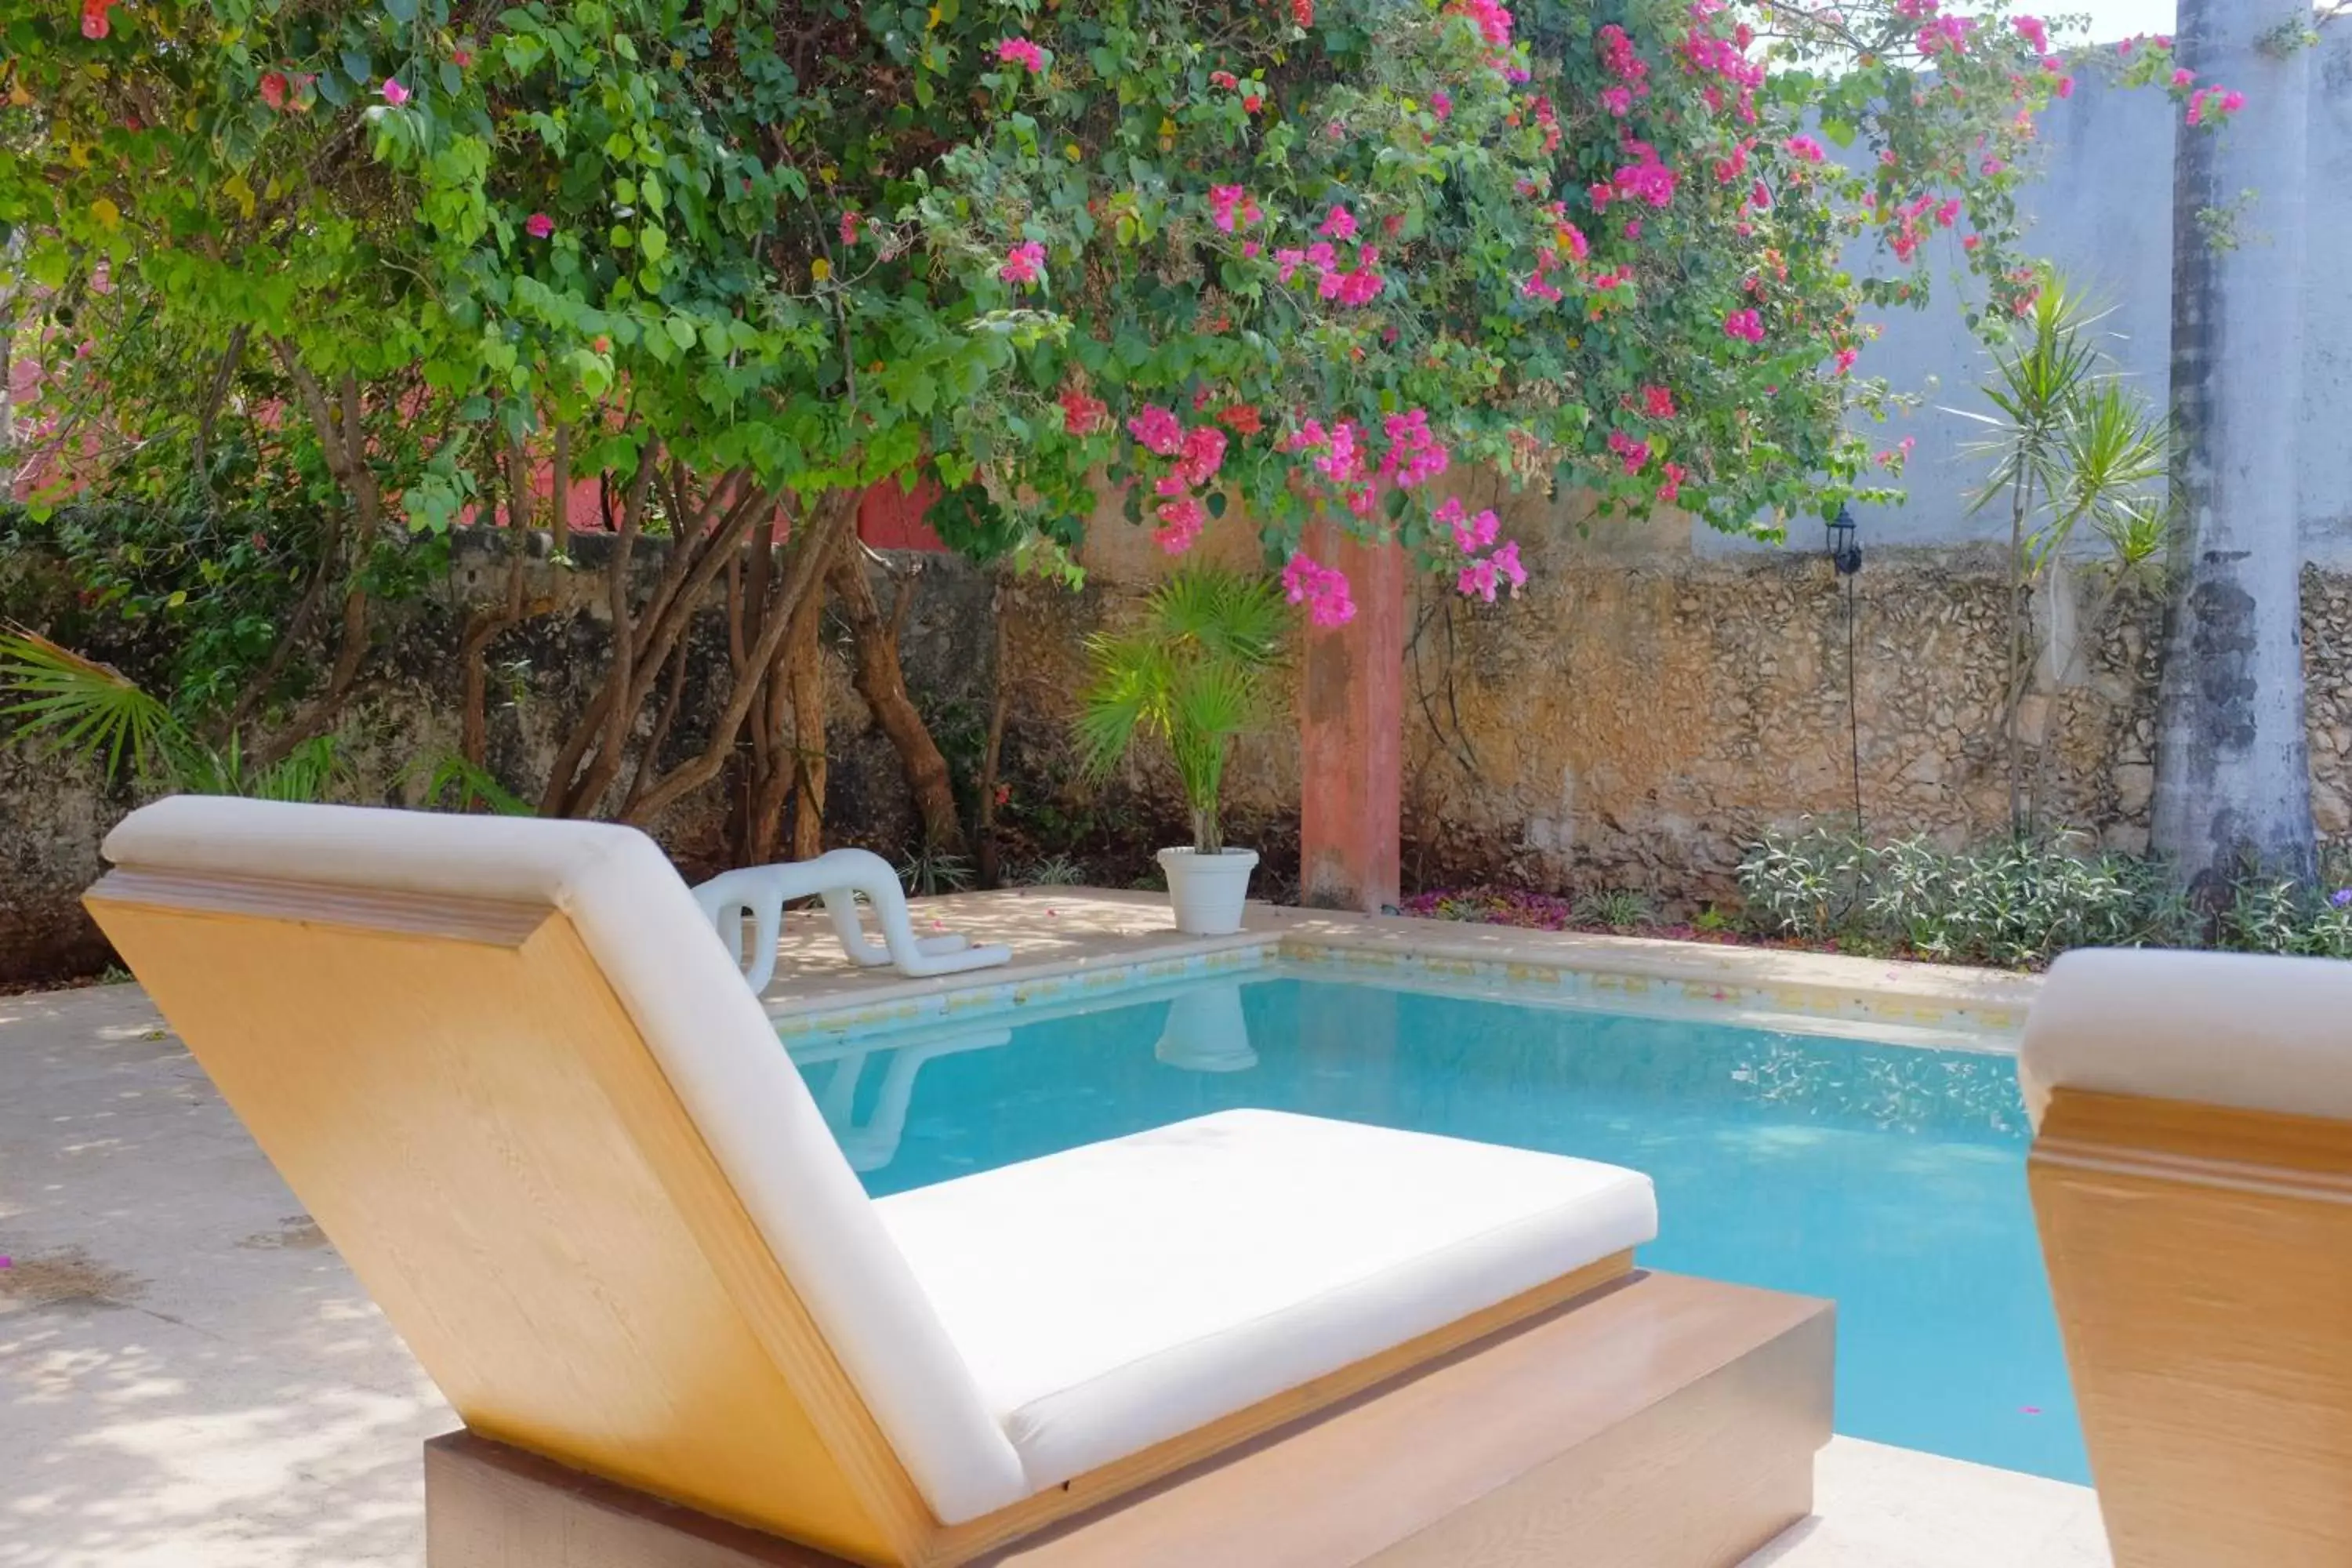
(2183, 75)
(1471, 534)
(849, 229)
(1945, 35)
(1201, 455)
(1179, 524)
(1635, 453)
(1672, 489)
(1023, 264)
(2034, 31)
(1441, 103)
(94, 22)
(1229, 205)
(539, 225)
(1082, 414)
(461, 58)
(1494, 20)
(1252, 103)
(1618, 100)
(1415, 455)
(1158, 429)
(1971, 241)
(393, 93)
(1225, 80)
(1338, 224)
(1322, 589)
(1746, 324)
(1658, 402)
(1805, 147)
(273, 89)
(1022, 52)
(1846, 358)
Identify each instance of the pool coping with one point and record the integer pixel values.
(1909, 1003)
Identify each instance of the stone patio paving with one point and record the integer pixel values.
(190, 1377)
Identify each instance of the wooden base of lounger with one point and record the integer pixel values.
(1662, 1422)
(2201, 1261)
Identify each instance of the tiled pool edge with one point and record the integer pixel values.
(1982, 1010)
(1023, 987)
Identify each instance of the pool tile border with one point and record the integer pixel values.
(1926, 1019)
(1967, 1010)
(1058, 984)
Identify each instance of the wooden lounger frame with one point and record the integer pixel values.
(486, 1138)
(2201, 1261)
(1661, 1422)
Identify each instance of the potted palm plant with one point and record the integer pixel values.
(1195, 672)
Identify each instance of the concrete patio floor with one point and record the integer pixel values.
(190, 1377)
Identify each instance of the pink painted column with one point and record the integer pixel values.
(1352, 733)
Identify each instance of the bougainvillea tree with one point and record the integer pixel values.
(1306, 256)
(1317, 254)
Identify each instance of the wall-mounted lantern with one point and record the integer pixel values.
(1845, 549)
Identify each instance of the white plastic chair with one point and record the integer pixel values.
(838, 876)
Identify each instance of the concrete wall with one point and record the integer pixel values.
(2102, 209)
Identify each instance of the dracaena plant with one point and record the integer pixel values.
(1195, 673)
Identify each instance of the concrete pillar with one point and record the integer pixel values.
(1352, 733)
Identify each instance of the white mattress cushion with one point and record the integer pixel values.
(2250, 1031)
(1124, 1292)
(680, 985)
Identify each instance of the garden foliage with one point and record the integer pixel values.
(2018, 904)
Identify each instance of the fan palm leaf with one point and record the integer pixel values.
(76, 703)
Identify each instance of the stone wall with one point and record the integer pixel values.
(55, 810)
(1637, 716)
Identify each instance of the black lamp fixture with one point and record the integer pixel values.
(1845, 549)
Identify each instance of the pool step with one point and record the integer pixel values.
(1664, 1422)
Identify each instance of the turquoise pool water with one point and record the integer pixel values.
(1889, 1178)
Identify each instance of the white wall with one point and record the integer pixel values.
(2102, 209)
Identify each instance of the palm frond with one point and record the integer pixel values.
(74, 703)
(1194, 673)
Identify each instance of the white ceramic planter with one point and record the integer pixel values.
(1208, 890)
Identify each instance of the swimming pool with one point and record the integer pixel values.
(1890, 1178)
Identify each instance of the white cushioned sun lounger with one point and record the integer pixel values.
(2192, 1178)
(524, 1091)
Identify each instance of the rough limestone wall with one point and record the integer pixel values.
(55, 810)
(1633, 721)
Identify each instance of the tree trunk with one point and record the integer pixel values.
(992, 756)
(882, 682)
(2233, 778)
(803, 682)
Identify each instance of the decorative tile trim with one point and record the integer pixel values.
(1008, 995)
(1969, 1026)
(1891, 1015)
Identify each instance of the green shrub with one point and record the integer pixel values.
(2017, 904)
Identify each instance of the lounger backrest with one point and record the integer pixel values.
(521, 1085)
(2192, 1178)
